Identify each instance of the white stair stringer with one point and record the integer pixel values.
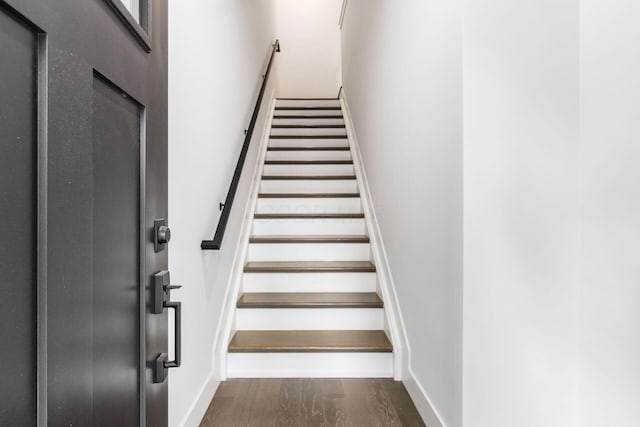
(395, 327)
(309, 239)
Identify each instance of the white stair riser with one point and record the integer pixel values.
(308, 113)
(309, 319)
(309, 252)
(308, 155)
(309, 205)
(308, 131)
(310, 365)
(308, 121)
(309, 282)
(306, 170)
(307, 103)
(309, 186)
(291, 227)
(309, 142)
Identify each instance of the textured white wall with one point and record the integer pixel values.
(309, 65)
(521, 211)
(217, 53)
(402, 74)
(610, 173)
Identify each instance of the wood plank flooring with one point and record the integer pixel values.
(322, 402)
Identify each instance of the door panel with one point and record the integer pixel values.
(18, 211)
(101, 199)
(116, 255)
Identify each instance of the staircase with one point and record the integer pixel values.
(309, 305)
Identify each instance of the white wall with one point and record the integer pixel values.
(551, 193)
(309, 64)
(521, 210)
(217, 53)
(610, 256)
(402, 74)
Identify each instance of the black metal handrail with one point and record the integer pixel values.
(216, 243)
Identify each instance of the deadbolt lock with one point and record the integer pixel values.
(161, 234)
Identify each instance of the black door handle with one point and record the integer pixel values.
(177, 336)
(161, 299)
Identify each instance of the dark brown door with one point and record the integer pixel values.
(83, 177)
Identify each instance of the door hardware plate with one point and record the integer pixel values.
(160, 371)
(160, 294)
(158, 246)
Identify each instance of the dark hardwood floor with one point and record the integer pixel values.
(324, 402)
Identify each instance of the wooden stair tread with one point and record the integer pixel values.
(310, 342)
(308, 162)
(300, 126)
(311, 216)
(309, 267)
(308, 177)
(307, 136)
(308, 116)
(308, 195)
(309, 239)
(307, 99)
(310, 300)
(308, 148)
(309, 108)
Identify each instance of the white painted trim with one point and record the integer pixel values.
(397, 329)
(310, 365)
(309, 319)
(421, 399)
(313, 282)
(310, 252)
(343, 12)
(199, 406)
(227, 315)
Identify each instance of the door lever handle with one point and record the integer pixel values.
(162, 364)
(161, 292)
(177, 336)
(161, 299)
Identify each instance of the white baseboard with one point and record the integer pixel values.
(199, 406)
(421, 399)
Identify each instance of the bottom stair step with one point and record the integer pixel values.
(310, 341)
